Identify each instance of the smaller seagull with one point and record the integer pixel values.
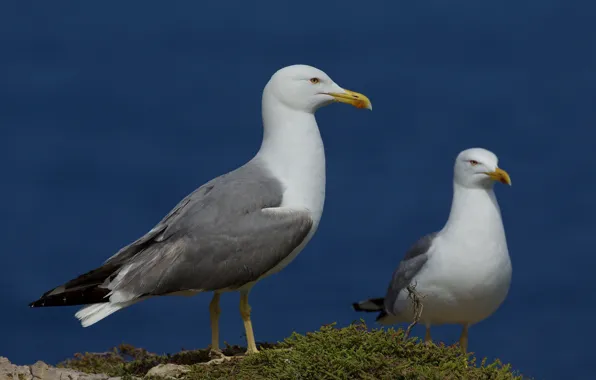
(461, 274)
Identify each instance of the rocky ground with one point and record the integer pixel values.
(42, 371)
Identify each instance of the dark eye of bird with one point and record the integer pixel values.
(314, 80)
(473, 162)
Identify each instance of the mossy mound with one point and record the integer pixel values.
(353, 352)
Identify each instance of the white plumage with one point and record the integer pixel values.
(463, 272)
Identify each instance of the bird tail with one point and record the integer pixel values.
(94, 313)
(370, 305)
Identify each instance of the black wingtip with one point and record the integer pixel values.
(369, 305)
(85, 296)
(38, 303)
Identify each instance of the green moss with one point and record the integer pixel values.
(353, 352)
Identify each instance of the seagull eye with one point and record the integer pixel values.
(314, 80)
(473, 162)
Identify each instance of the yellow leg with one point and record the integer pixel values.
(214, 312)
(245, 313)
(463, 339)
(427, 338)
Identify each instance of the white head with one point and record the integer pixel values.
(306, 88)
(478, 168)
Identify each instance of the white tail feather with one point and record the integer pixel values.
(94, 313)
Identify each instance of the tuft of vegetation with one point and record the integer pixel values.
(353, 352)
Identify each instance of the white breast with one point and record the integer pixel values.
(464, 288)
(293, 151)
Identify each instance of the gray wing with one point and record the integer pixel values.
(408, 268)
(216, 238)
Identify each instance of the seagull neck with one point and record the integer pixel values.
(478, 207)
(293, 150)
(289, 132)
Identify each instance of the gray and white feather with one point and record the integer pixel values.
(408, 268)
(237, 228)
(221, 237)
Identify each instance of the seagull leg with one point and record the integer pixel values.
(245, 313)
(214, 312)
(427, 338)
(463, 339)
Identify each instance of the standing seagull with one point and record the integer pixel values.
(462, 273)
(237, 228)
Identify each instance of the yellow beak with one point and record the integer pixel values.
(354, 98)
(500, 175)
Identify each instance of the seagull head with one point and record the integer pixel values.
(306, 88)
(478, 168)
